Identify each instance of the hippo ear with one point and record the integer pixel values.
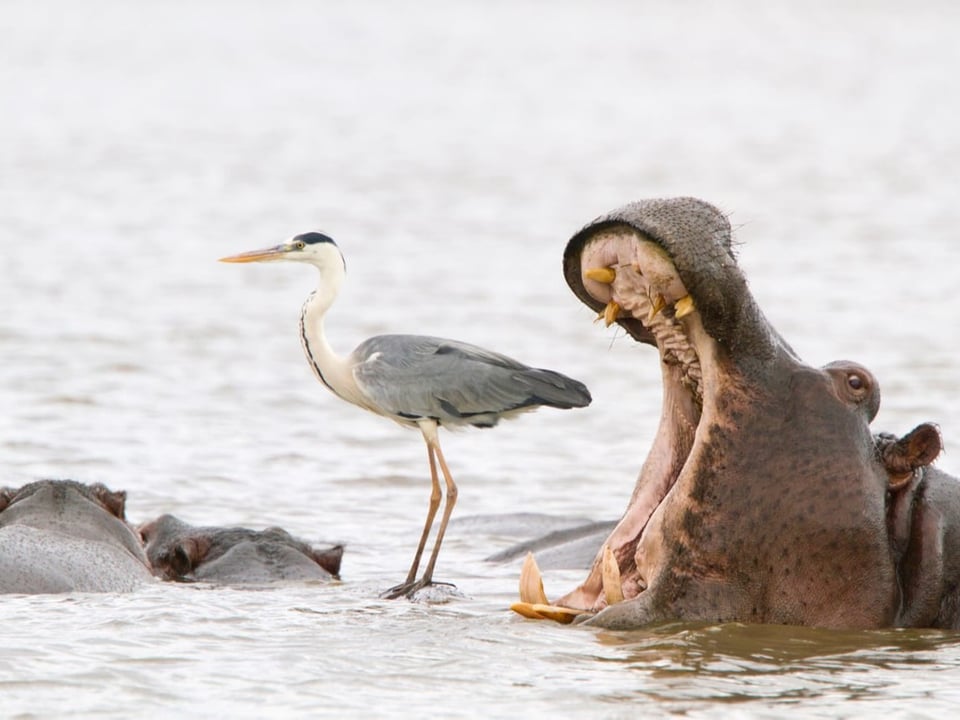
(920, 446)
(114, 502)
(925, 443)
(6, 497)
(902, 457)
(329, 559)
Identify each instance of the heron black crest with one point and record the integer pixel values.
(312, 238)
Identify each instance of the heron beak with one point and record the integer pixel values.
(275, 253)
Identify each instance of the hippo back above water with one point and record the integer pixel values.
(65, 536)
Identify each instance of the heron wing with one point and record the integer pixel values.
(416, 376)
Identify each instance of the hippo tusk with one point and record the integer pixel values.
(533, 600)
(557, 613)
(683, 307)
(612, 584)
(531, 583)
(610, 313)
(562, 615)
(527, 610)
(605, 275)
(657, 303)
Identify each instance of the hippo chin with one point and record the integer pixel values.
(765, 497)
(234, 556)
(64, 536)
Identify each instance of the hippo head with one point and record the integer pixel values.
(179, 551)
(73, 509)
(763, 498)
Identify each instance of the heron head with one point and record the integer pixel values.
(312, 247)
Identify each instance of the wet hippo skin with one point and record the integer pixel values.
(65, 536)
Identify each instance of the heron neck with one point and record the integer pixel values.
(329, 367)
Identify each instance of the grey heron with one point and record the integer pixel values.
(415, 380)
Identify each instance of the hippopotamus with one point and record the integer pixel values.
(65, 536)
(923, 508)
(765, 497)
(234, 555)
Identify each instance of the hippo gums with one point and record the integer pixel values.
(65, 536)
(234, 556)
(765, 496)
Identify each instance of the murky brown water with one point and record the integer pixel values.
(451, 150)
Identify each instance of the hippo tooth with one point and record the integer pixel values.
(657, 304)
(563, 615)
(536, 611)
(610, 313)
(531, 583)
(683, 307)
(612, 585)
(605, 275)
(526, 609)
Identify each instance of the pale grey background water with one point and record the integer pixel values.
(452, 148)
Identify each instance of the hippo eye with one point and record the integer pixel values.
(855, 382)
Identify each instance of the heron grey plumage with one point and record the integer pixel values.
(416, 380)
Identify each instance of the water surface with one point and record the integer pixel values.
(451, 149)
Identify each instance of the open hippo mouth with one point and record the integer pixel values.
(630, 275)
(763, 469)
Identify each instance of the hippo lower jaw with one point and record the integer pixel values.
(637, 283)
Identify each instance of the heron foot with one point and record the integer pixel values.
(426, 591)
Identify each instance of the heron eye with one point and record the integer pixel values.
(300, 245)
(855, 381)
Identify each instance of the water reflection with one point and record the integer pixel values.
(734, 662)
(697, 645)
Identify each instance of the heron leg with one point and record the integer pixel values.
(429, 430)
(447, 510)
(431, 514)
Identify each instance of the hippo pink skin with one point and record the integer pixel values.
(764, 497)
(64, 536)
(234, 556)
